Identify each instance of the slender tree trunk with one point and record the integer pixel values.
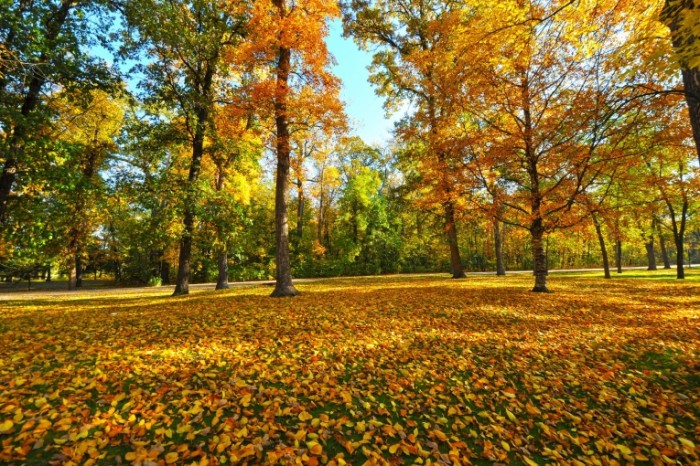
(680, 265)
(79, 266)
(662, 246)
(618, 255)
(498, 245)
(603, 248)
(539, 256)
(451, 231)
(283, 280)
(300, 209)
(182, 285)
(48, 274)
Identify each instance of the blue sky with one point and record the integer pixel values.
(363, 106)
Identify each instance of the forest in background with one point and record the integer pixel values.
(212, 144)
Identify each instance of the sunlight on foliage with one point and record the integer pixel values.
(398, 370)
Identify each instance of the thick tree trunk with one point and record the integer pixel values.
(498, 245)
(651, 254)
(618, 255)
(283, 280)
(451, 231)
(539, 256)
(222, 261)
(164, 272)
(603, 248)
(680, 265)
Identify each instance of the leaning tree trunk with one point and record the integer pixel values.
(498, 245)
(451, 230)
(603, 248)
(283, 279)
(300, 209)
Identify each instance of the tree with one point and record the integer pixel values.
(43, 46)
(288, 38)
(90, 129)
(413, 63)
(191, 40)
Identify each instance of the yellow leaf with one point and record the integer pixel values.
(505, 445)
(623, 449)
(512, 417)
(6, 426)
(529, 461)
(393, 448)
(305, 416)
(171, 457)
(315, 448)
(687, 443)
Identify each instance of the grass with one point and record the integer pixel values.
(375, 370)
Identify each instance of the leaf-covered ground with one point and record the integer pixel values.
(419, 370)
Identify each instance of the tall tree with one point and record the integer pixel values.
(412, 63)
(288, 38)
(43, 45)
(190, 41)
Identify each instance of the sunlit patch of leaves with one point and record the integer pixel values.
(375, 371)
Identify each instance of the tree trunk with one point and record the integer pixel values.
(164, 271)
(283, 280)
(222, 260)
(680, 265)
(300, 209)
(662, 246)
(651, 254)
(451, 230)
(618, 255)
(539, 256)
(79, 266)
(603, 248)
(498, 244)
(182, 285)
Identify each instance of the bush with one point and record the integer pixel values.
(155, 281)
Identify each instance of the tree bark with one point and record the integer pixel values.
(451, 231)
(222, 260)
(618, 255)
(539, 257)
(651, 254)
(603, 248)
(283, 279)
(498, 245)
(662, 246)
(79, 266)
(300, 209)
(182, 285)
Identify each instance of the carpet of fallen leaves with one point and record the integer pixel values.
(419, 370)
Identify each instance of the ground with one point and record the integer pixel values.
(385, 370)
